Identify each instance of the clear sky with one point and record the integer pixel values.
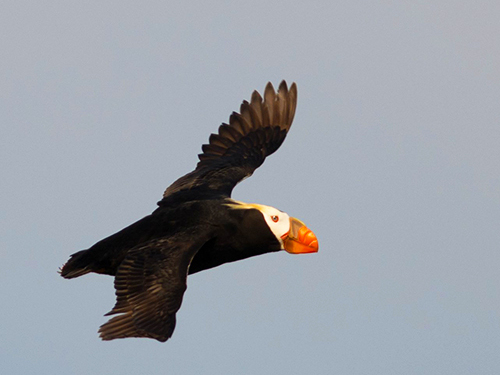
(393, 160)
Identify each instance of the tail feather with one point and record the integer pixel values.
(79, 264)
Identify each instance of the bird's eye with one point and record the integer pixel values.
(275, 218)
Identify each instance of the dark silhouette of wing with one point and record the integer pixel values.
(240, 147)
(150, 284)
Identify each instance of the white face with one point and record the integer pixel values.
(278, 221)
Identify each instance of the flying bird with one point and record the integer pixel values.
(197, 225)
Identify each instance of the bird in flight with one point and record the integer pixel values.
(197, 225)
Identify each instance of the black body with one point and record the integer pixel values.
(233, 234)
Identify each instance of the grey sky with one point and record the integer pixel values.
(392, 160)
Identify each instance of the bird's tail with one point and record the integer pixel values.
(79, 264)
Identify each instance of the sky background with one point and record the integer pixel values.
(393, 160)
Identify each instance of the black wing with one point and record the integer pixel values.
(150, 284)
(240, 147)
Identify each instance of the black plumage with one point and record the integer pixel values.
(196, 226)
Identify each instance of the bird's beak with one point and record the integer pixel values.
(300, 239)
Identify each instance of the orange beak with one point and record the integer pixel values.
(300, 239)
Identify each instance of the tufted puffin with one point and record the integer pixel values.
(197, 225)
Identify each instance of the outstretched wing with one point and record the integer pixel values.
(150, 284)
(241, 146)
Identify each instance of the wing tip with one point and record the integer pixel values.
(123, 326)
(273, 108)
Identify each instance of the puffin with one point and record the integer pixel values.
(197, 226)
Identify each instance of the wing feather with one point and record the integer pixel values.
(150, 284)
(240, 147)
